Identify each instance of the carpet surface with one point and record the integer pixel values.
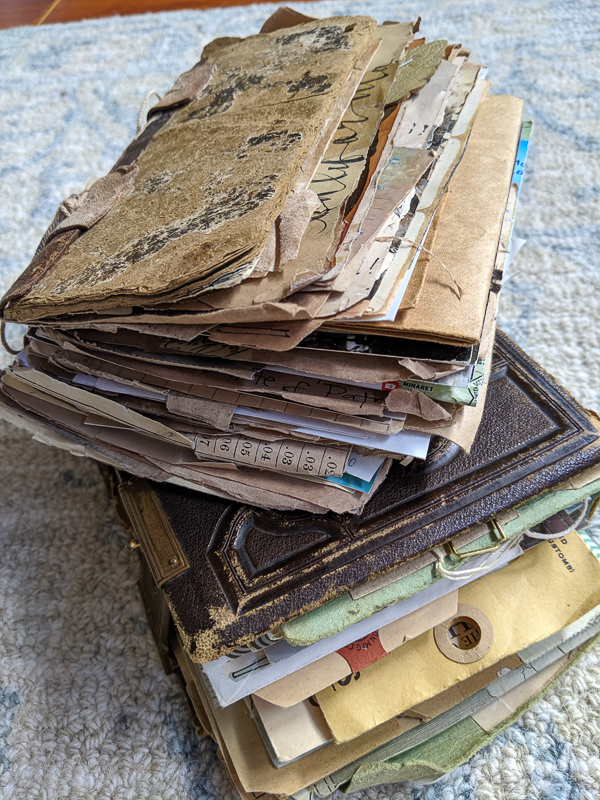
(85, 708)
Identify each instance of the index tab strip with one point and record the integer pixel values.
(282, 455)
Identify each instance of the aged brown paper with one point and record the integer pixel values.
(332, 398)
(236, 186)
(134, 450)
(474, 204)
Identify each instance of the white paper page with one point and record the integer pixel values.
(292, 732)
(257, 670)
(363, 467)
(408, 443)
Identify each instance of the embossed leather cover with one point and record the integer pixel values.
(248, 570)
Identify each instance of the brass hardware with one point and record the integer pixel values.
(153, 531)
(480, 551)
(132, 545)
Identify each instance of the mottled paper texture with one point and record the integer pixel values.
(215, 177)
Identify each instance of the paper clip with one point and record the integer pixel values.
(480, 551)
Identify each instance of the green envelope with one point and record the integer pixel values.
(343, 611)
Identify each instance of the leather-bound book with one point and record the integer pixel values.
(231, 573)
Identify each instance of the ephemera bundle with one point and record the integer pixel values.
(289, 279)
(273, 322)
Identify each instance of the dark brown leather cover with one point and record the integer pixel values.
(250, 569)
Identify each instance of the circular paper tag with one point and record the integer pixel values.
(466, 637)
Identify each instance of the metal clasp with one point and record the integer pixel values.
(489, 549)
(153, 531)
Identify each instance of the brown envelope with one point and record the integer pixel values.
(474, 204)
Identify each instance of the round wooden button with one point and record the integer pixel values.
(466, 637)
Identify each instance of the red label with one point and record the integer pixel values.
(363, 652)
(389, 386)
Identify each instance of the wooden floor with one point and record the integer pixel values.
(37, 12)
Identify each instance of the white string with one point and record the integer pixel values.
(580, 517)
(506, 547)
(486, 565)
(141, 122)
(421, 246)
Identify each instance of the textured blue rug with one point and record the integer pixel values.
(85, 709)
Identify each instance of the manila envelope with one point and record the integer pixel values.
(251, 767)
(541, 592)
(249, 763)
(453, 745)
(353, 658)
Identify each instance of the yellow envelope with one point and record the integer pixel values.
(299, 685)
(538, 594)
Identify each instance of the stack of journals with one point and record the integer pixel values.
(342, 651)
(289, 279)
(273, 323)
